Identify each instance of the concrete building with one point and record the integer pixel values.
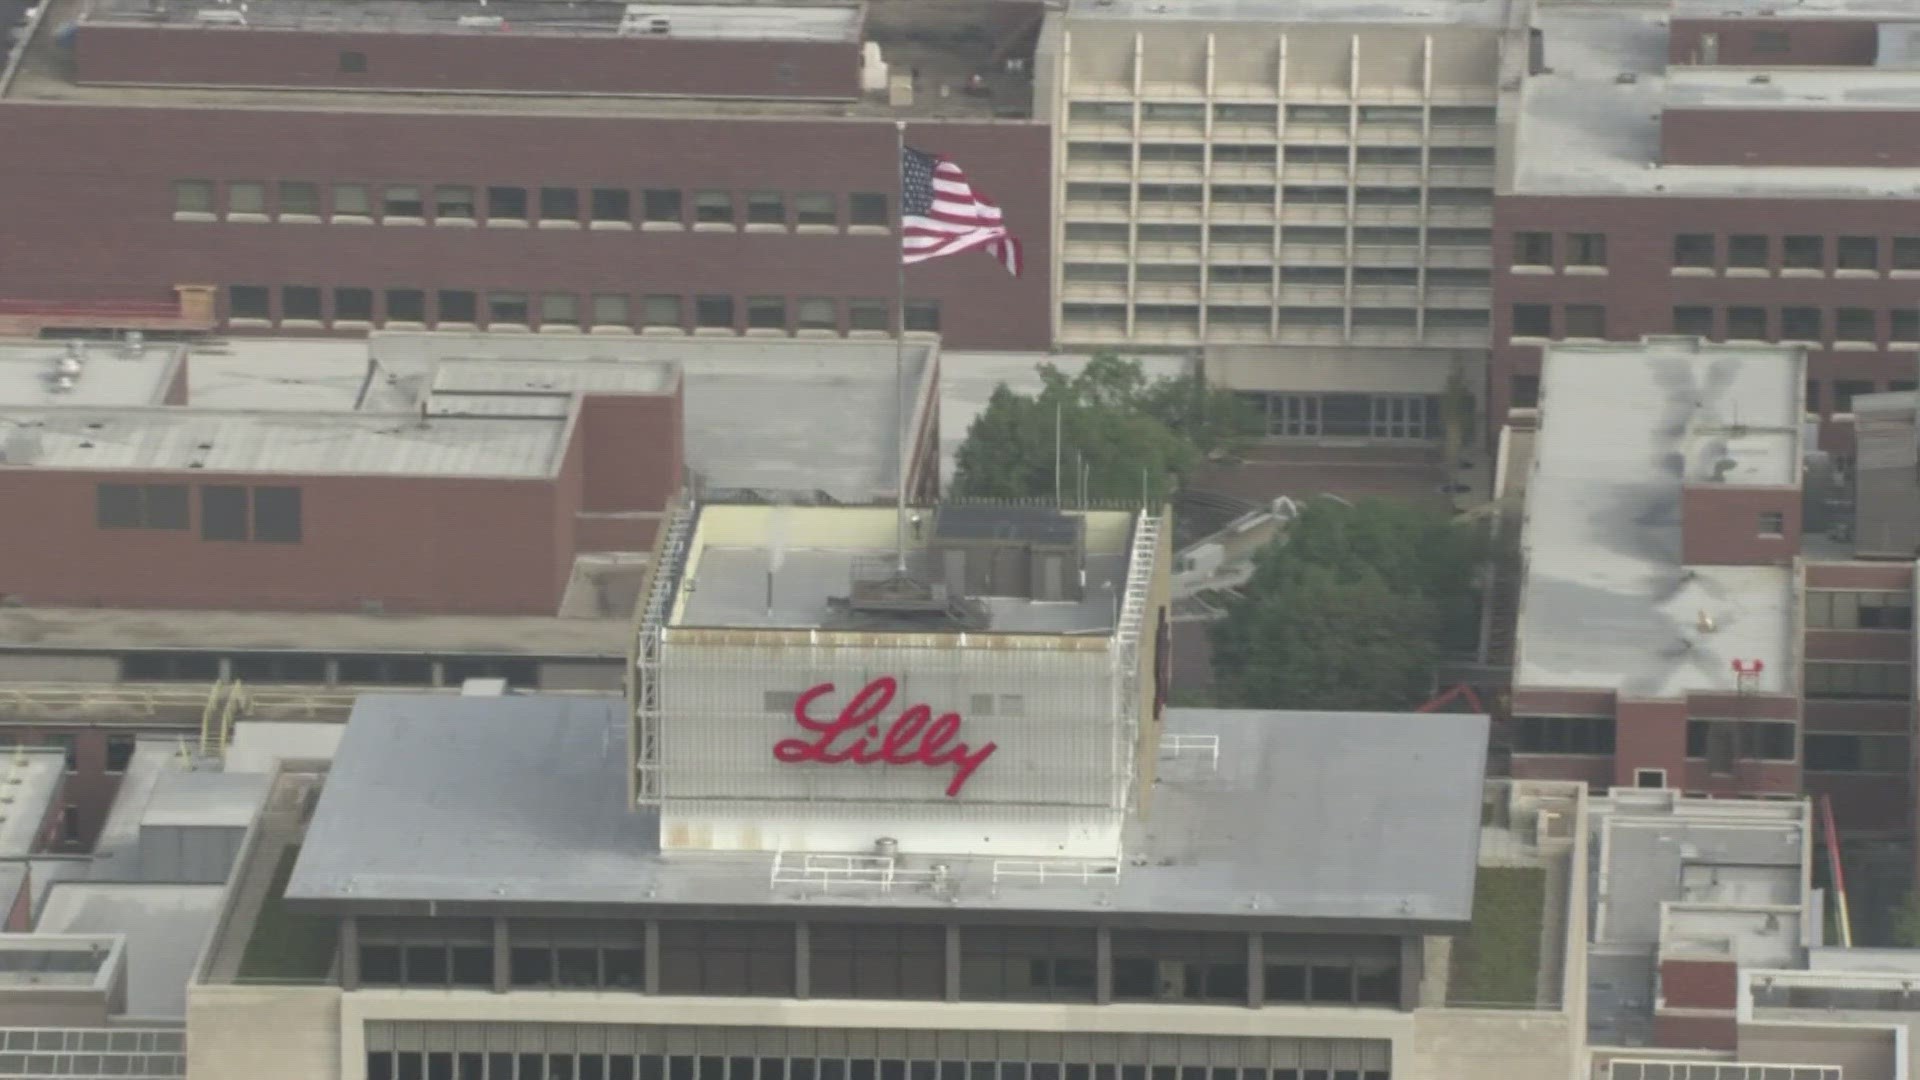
(1650, 190)
(1302, 192)
(703, 169)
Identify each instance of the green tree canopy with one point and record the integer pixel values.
(1349, 608)
(1124, 429)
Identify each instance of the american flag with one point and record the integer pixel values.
(942, 214)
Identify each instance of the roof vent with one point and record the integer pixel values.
(1761, 79)
(1724, 466)
(1626, 77)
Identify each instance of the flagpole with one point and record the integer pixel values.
(900, 343)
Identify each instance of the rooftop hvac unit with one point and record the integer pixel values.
(639, 20)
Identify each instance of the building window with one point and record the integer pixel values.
(119, 752)
(1326, 970)
(1906, 253)
(1532, 320)
(193, 196)
(1845, 390)
(868, 209)
(712, 207)
(766, 313)
(662, 206)
(507, 308)
(276, 514)
(864, 960)
(1769, 42)
(453, 202)
(1563, 734)
(1854, 324)
(352, 201)
(1166, 965)
(924, 315)
(1858, 680)
(815, 313)
(459, 306)
(1836, 610)
(1826, 752)
(1772, 523)
(352, 304)
(577, 955)
(612, 206)
(1586, 249)
(377, 670)
(249, 302)
(300, 302)
(713, 312)
(868, 315)
(1005, 963)
(1800, 324)
(1804, 253)
(1533, 249)
(1748, 251)
(612, 309)
(140, 506)
(1764, 740)
(1747, 323)
(662, 311)
(1693, 320)
(223, 512)
(353, 63)
(401, 201)
(560, 204)
(559, 309)
(1903, 325)
(1693, 250)
(407, 305)
(506, 204)
(1813, 395)
(1523, 392)
(247, 197)
(1586, 321)
(766, 208)
(169, 667)
(1857, 253)
(726, 958)
(815, 208)
(299, 198)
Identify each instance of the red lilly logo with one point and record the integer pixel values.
(915, 737)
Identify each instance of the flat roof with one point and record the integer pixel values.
(1790, 88)
(738, 20)
(1424, 12)
(317, 443)
(30, 778)
(1583, 131)
(1337, 816)
(165, 927)
(1607, 601)
(1793, 9)
(949, 41)
(101, 373)
(116, 630)
(201, 799)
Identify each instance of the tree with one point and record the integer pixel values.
(1119, 429)
(1349, 608)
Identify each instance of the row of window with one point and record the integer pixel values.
(573, 1065)
(227, 511)
(1847, 325)
(1367, 416)
(343, 669)
(507, 206)
(1318, 235)
(893, 962)
(1721, 742)
(516, 308)
(1856, 753)
(1224, 153)
(1829, 609)
(119, 749)
(1251, 274)
(1524, 391)
(1262, 195)
(1247, 113)
(1756, 251)
(1859, 680)
(1725, 741)
(1260, 316)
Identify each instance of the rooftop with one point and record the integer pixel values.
(30, 779)
(165, 927)
(733, 21)
(1607, 600)
(1348, 816)
(1585, 128)
(99, 374)
(1793, 88)
(783, 567)
(115, 630)
(1793, 9)
(1486, 12)
(41, 960)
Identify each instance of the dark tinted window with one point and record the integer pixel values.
(276, 514)
(223, 512)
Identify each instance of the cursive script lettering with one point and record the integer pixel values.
(915, 737)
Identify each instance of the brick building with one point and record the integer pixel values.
(522, 167)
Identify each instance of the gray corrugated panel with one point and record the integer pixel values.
(1310, 815)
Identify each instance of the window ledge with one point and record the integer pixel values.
(302, 324)
(508, 328)
(352, 324)
(455, 324)
(1855, 346)
(613, 331)
(1809, 343)
(559, 328)
(403, 220)
(715, 226)
(715, 331)
(1693, 271)
(663, 331)
(299, 219)
(870, 230)
(824, 230)
(1856, 273)
(663, 226)
(351, 219)
(561, 223)
(1749, 272)
(1908, 274)
(456, 223)
(1533, 269)
(816, 332)
(403, 324)
(506, 223)
(249, 218)
(193, 215)
(1588, 271)
(250, 324)
(767, 331)
(868, 334)
(766, 227)
(611, 226)
(1524, 339)
(1801, 272)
